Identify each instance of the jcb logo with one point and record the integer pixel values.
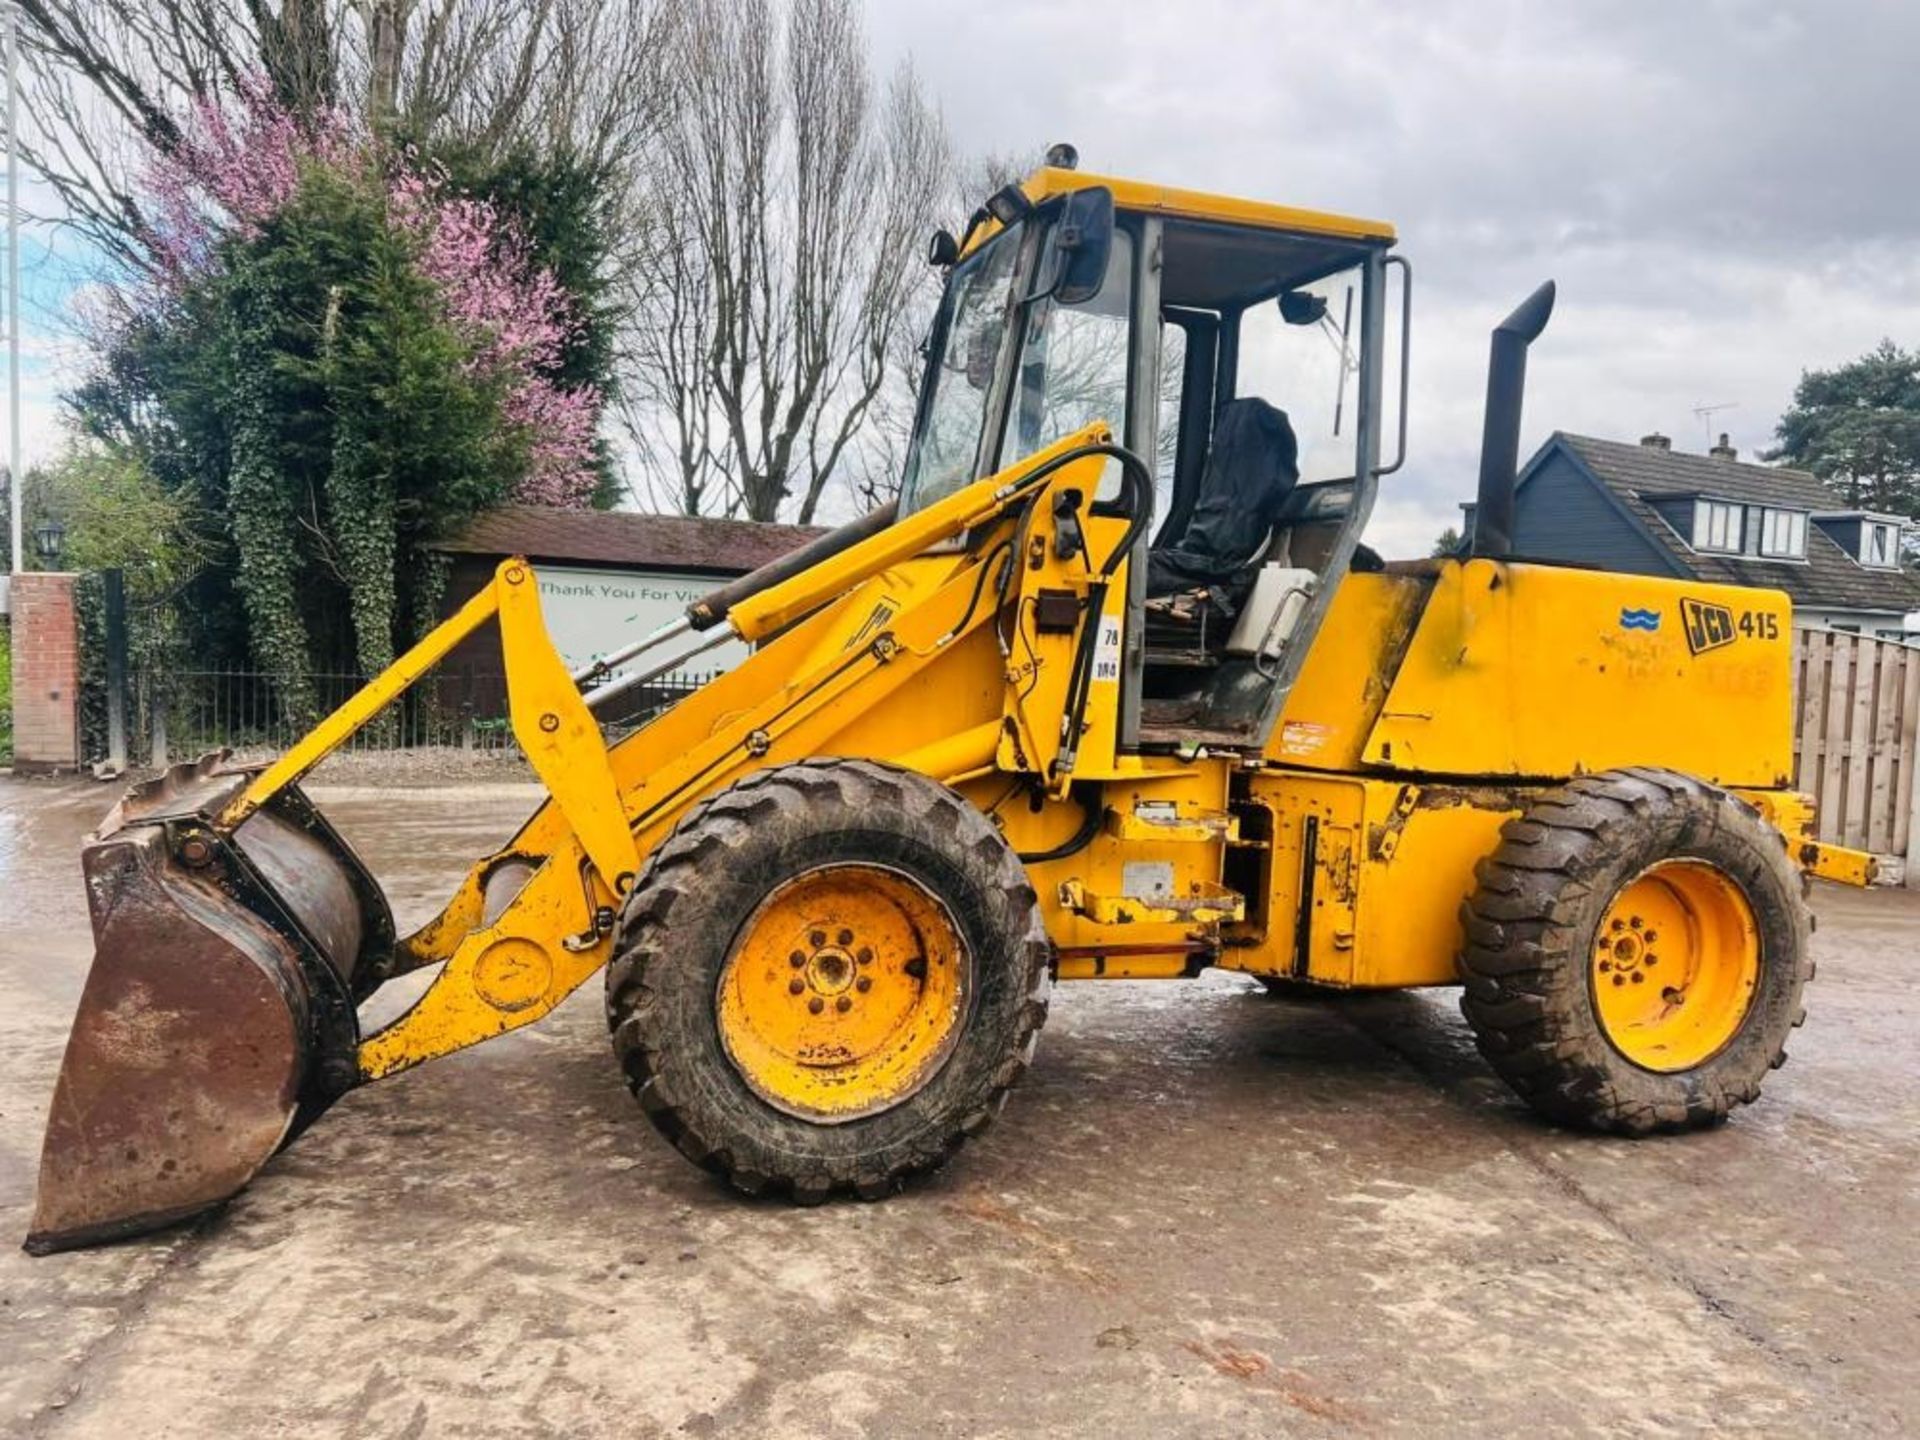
(1708, 626)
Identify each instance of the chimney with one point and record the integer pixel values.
(1656, 441)
(1724, 451)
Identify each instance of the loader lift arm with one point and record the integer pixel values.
(254, 885)
(504, 974)
(579, 855)
(551, 721)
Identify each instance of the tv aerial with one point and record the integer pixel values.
(1705, 413)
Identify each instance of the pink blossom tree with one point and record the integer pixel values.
(235, 169)
(518, 320)
(346, 357)
(231, 172)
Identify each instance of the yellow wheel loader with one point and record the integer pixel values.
(1112, 691)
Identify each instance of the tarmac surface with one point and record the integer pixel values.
(1206, 1212)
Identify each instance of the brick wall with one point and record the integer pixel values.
(46, 674)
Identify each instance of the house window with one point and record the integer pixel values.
(1880, 545)
(1716, 526)
(1783, 533)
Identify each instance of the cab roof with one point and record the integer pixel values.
(1140, 195)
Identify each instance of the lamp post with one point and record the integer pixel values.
(48, 536)
(10, 27)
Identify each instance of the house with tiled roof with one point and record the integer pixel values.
(1649, 509)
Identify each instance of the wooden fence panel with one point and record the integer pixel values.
(1857, 736)
(1856, 703)
(1832, 785)
(1883, 756)
(1810, 650)
(1907, 791)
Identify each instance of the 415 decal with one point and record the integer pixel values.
(1712, 627)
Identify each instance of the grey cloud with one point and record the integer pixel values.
(1726, 191)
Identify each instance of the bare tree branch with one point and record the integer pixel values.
(786, 202)
(105, 80)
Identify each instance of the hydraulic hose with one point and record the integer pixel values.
(1090, 817)
(1137, 483)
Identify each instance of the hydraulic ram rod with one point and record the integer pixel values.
(606, 664)
(597, 698)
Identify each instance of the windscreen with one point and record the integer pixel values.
(1073, 363)
(967, 340)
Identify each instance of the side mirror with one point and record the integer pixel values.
(942, 250)
(1080, 242)
(1300, 307)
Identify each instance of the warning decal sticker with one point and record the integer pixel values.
(1301, 738)
(1106, 650)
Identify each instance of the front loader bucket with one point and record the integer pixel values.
(218, 1017)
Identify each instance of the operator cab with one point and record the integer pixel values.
(1236, 348)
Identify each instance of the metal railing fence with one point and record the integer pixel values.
(180, 713)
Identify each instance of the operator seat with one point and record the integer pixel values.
(1252, 467)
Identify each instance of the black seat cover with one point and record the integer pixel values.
(1252, 467)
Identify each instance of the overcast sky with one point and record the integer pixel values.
(1727, 193)
(1726, 190)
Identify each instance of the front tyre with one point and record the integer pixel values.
(1635, 953)
(826, 978)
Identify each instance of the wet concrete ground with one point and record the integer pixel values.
(1205, 1213)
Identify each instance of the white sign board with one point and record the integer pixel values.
(590, 612)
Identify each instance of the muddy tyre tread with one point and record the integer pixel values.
(654, 1052)
(1528, 937)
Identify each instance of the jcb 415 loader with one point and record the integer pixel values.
(1113, 691)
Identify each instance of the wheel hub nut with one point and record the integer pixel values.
(830, 970)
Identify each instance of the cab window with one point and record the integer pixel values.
(1073, 364)
(1301, 351)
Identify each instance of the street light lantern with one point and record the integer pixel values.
(48, 536)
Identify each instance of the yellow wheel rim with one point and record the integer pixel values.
(845, 992)
(1675, 964)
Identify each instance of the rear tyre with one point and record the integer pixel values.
(826, 978)
(1635, 953)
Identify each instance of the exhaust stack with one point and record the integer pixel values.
(1500, 440)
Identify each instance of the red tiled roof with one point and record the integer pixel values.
(624, 539)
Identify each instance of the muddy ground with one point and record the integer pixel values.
(1206, 1213)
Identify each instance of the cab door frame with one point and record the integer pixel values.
(1141, 436)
